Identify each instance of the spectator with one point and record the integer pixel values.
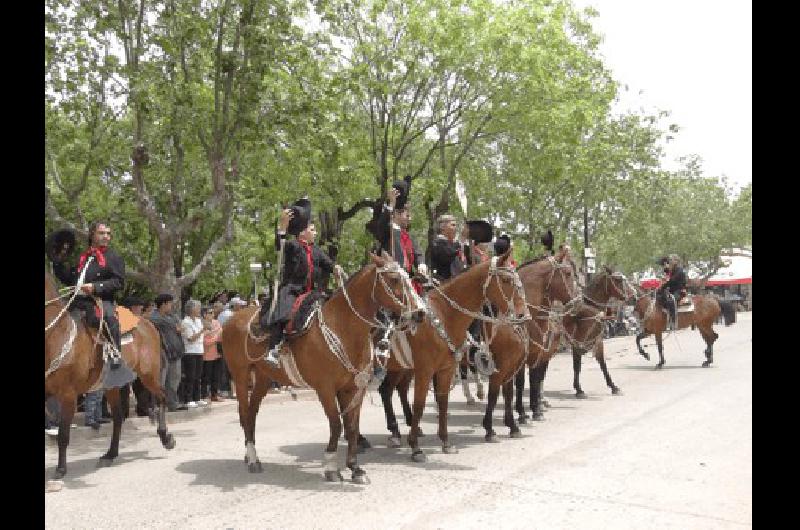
(193, 332)
(172, 349)
(212, 360)
(93, 409)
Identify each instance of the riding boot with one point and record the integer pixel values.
(275, 342)
(673, 321)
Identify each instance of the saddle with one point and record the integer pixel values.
(299, 317)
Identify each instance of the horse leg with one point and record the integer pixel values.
(660, 345)
(576, 369)
(710, 336)
(535, 376)
(542, 400)
(421, 383)
(151, 385)
(115, 404)
(442, 400)
(68, 405)
(328, 401)
(238, 379)
(480, 393)
(462, 369)
(386, 390)
(491, 401)
(601, 360)
(345, 398)
(402, 391)
(508, 419)
(639, 338)
(260, 388)
(519, 386)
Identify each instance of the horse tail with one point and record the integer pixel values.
(728, 311)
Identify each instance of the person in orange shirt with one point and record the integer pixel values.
(212, 360)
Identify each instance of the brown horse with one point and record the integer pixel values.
(73, 365)
(546, 281)
(333, 357)
(433, 346)
(583, 327)
(654, 320)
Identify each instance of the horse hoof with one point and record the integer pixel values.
(515, 433)
(105, 461)
(333, 476)
(523, 420)
(59, 474)
(363, 445)
(644, 354)
(659, 366)
(491, 438)
(538, 416)
(471, 401)
(581, 395)
(360, 477)
(616, 391)
(254, 467)
(545, 403)
(449, 449)
(394, 442)
(168, 442)
(419, 457)
(706, 364)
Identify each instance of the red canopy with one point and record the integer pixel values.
(650, 283)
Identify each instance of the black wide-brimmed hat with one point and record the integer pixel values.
(404, 187)
(60, 245)
(547, 240)
(130, 301)
(502, 244)
(480, 231)
(302, 216)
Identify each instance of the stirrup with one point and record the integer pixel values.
(382, 348)
(273, 356)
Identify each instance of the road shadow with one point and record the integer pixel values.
(79, 469)
(652, 368)
(229, 474)
(87, 441)
(379, 454)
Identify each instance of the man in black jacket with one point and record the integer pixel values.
(448, 255)
(674, 286)
(305, 265)
(103, 275)
(172, 348)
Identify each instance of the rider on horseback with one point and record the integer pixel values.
(304, 267)
(104, 276)
(390, 229)
(670, 292)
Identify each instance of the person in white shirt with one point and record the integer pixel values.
(192, 331)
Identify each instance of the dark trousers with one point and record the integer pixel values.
(225, 375)
(210, 379)
(192, 371)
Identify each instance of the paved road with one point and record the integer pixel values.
(675, 451)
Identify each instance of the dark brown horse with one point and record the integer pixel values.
(546, 281)
(583, 326)
(432, 345)
(73, 363)
(654, 320)
(333, 357)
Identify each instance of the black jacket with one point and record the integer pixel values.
(295, 266)
(445, 260)
(106, 280)
(171, 340)
(384, 235)
(677, 281)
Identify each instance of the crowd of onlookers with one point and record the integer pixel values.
(193, 372)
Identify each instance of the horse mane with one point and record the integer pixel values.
(532, 261)
(349, 280)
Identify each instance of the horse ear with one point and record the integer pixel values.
(378, 261)
(608, 270)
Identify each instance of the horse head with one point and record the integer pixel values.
(396, 293)
(503, 288)
(616, 285)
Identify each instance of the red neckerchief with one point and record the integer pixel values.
(408, 250)
(408, 253)
(310, 263)
(97, 252)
